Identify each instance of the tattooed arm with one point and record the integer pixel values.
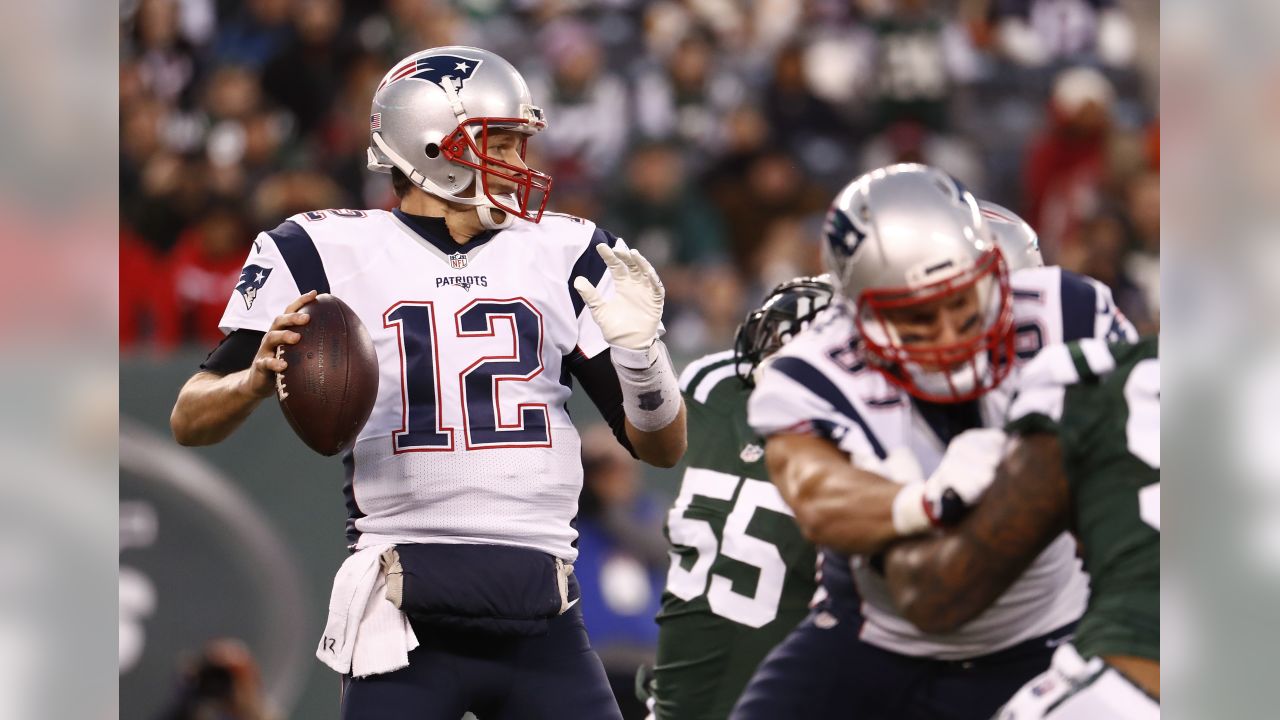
(943, 581)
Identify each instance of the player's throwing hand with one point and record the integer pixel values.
(262, 379)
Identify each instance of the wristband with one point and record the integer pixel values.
(650, 392)
(636, 360)
(909, 516)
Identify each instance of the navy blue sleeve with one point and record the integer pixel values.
(817, 383)
(300, 254)
(589, 265)
(1079, 307)
(600, 380)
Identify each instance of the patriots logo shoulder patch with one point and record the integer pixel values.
(435, 69)
(252, 278)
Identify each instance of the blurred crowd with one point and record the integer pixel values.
(711, 134)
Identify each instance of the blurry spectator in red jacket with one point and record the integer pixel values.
(147, 311)
(1067, 164)
(205, 265)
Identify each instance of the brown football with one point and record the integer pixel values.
(329, 388)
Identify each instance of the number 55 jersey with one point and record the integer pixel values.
(469, 440)
(741, 574)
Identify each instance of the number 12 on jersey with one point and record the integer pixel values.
(418, 336)
(752, 610)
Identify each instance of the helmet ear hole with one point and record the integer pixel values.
(432, 150)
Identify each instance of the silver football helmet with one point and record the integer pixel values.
(431, 118)
(1017, 240)
(908, 241)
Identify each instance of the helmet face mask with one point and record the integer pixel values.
(788, 309)
(471, 149)
(964, 369)
(909, 249)
(434, 117)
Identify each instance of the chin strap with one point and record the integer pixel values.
(450, 86)
(486, 211)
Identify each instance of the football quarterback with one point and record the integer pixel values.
(484, 309)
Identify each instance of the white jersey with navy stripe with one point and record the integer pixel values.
(469, 440)
(817, 383)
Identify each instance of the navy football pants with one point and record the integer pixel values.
(826, 672)
(547, 677)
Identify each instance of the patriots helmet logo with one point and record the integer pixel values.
(843, 234)
(435, 69)
(252, 278)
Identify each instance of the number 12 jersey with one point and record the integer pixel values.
(469, 440)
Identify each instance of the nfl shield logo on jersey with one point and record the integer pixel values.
(751, 453)
(457, 261)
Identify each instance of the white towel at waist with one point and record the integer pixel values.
(365, 633)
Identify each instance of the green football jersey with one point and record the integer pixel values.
(1103, 402)
(741, 575)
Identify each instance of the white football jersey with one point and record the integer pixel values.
(469, 440)
(817, 383)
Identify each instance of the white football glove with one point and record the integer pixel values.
(965, 473)
(629, 320)
(961, 478)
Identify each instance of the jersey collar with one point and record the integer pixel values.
(948, 420)
(434, 231)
